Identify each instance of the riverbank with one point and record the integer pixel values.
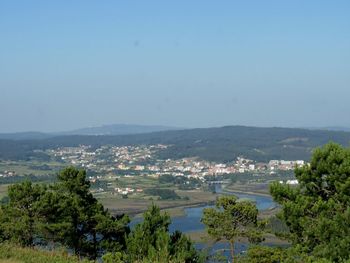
(175, 208)
(232, 192)
(177, 211)
(252, 189)
(204, 238)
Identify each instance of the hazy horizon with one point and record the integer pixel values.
(67, 65)
(69, 131)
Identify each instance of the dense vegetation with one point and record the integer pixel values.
(27, 177)
(66, 214)
(216, 144)
(150, 242)
(316, 212)
(232, 219)
(182, 182)
(164, 194)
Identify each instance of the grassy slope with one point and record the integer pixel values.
(12, 254)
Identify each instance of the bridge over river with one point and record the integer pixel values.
(218, 182)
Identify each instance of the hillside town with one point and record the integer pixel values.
(143, 160)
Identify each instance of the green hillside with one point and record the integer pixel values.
(216, 144)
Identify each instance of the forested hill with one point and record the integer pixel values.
(217, 144)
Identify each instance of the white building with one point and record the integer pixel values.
(292, 182)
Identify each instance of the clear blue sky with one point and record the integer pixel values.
(68, 64)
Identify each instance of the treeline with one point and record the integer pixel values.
(65, 213)
(27, 177)
(182, 182)
(164, 194)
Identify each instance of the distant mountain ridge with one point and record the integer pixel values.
(118, 129)
(112, 129)
(330, 128)
(214, 144)
(25, 136)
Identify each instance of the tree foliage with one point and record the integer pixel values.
(20, 217)
(65, 213)
(164, 194)
(150, 241)
(317, 211)
(261, 254)
(232, 219)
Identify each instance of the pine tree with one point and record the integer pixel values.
(20, 219)
(232, 219)
(317, 211)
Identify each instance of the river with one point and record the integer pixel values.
(191, 220)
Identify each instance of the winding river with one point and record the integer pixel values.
(191, 221)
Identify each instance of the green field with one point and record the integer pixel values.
(138, 202)
(28, 167)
